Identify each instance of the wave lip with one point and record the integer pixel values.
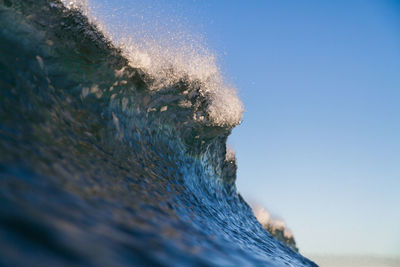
(172, 60)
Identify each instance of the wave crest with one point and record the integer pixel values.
(173, 59)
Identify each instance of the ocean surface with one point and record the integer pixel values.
(111, 156)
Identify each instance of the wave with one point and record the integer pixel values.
(276, 227)
(113, 152)
(172, 60)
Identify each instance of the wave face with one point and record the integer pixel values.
(103, 164)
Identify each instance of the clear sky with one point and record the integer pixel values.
(320, 80)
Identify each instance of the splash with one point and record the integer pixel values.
(169, 63)
(276, 227)
(173, 58)
(82, 5)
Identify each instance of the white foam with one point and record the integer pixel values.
(173, 57)
(168, 62)
(230, 155)
(83, 5)
(264, 217)
(261, 214)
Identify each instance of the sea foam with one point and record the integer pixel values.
(172, 58)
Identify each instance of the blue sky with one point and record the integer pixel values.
(320, 142)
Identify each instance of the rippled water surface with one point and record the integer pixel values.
(96, 168)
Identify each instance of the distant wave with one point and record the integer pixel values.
(276, 227)
(114, 152)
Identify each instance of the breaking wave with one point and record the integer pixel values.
(113, 150)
